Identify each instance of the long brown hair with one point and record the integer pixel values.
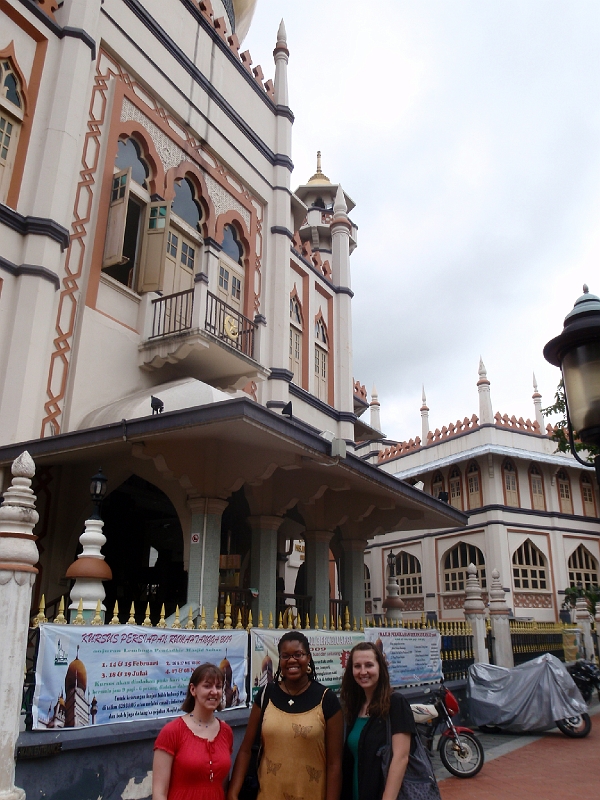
(353, 695)
(203, 672)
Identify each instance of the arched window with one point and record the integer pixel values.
(564, 492)
(529, 568)
(511, 489)
(437, 484)
(185, 204)
(321, 361)
(474, 485)
(408, 573)
(456, 562)
(11, 115)
(455, 484)
(587, 496)
(296, 339)
(583, 568)
(367, 583)
(231, 245)
(129, 154)
(536, 486)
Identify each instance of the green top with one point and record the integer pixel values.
(353, 738)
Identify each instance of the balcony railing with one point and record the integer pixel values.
(227, 324)
(172, 313)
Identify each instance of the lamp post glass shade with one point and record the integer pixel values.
(391, 559)
(98, 486)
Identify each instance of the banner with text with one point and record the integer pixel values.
(330, 651)
(90, 676)
(412, 656)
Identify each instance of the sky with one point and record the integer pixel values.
(468, 135)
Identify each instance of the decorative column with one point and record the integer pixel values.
(375, 410)
(18, 554)
(89, 570)
(501, 642)
(205, 551)
(583, 622)
(393, 602)
(486, 414)
(316, 559)
(263, 563)
(537, 404)
(424, 419)
(353, 575)
(475, 614)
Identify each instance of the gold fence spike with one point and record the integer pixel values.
(97, 619)
(202, 622)
(270, 626)
(162, 622)
(332, 626)
(280, 621)
(290, 621)
(147, 623)
(307, 626)
(215, 625)
(40, 617)
(260, 619)
(79, 620)
(60, 618)
(316, 622)
(339, 622)
(239, 626)
(354, 628)
(177, 623)
(115, 617)
(227, 621)
(249, 625)
(347, 619)
(360, 625)
(325, 626)
(131, 620)
(189, 625)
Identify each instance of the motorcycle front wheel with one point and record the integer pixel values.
(576, 727)
(463, 756)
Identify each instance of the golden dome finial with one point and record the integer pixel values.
(319, 177)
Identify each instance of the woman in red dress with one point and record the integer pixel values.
(192, 754)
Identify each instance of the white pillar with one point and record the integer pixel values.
(424, 419)
(501, 642)
(475, 615)
(583, 622)
(89, 570)
(537, 404)
(18, 554)
(486, 414)
(375, 409)
(340, 267)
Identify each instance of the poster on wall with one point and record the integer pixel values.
(93, 676)
(412, 656)
(330, 651)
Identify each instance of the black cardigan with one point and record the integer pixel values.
(372, 738)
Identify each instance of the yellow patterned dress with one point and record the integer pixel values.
(293, 763)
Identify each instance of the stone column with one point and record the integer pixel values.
(89, 570)
(205, 549)
(263, 564)
(475, 615)
(583, 622)
(18, 554)
(393, 603)
(316, 558)
(353, 576)
(501, 642)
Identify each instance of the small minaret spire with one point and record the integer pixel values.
(486, 415)
(375, 407)
(340, 209)
(537, 404)
(424, 419)
(281, 54)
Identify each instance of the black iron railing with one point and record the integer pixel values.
(227, 324)
(172, 313)
(296, 604)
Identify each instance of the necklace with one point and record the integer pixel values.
(202, 724)
(294, 694)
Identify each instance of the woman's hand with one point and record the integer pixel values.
(242, 760)
(400, 752)
(334, 744)
(161, 774)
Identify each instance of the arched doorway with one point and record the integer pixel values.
(144, 549)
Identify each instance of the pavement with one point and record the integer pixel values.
(548, 766)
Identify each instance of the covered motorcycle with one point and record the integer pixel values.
(534, 696)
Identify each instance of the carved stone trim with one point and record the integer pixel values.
(532, 600)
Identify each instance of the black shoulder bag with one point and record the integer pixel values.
(419, 779)
(250, 786)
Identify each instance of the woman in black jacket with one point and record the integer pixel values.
(368, 700)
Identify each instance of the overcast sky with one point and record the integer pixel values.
(467, 133)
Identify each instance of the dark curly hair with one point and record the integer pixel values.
(204, 672)
(353, 695)
(297, 636)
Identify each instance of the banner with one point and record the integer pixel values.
(412, 656)
(330, 651)
(91, 676)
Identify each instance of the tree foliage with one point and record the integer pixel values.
(561, 431)
(591, 594)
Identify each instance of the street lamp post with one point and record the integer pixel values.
(577, 352)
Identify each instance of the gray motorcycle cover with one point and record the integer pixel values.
(529, 697)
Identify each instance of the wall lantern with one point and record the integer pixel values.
(98, 491)
(577, 352)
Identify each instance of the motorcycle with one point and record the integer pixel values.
(587, 678)
(460, 750)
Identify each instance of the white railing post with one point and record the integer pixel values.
(501, 640)
(474, 609)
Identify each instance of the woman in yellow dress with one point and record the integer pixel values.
(301, 732)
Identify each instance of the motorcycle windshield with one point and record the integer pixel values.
(529, 697)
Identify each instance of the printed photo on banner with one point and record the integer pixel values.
(330, 651)
(90, 676)
(412, 656)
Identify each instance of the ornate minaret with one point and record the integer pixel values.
(537, 404)
(374, 407)
(341, 228)
(424, 419)
(486, 415)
